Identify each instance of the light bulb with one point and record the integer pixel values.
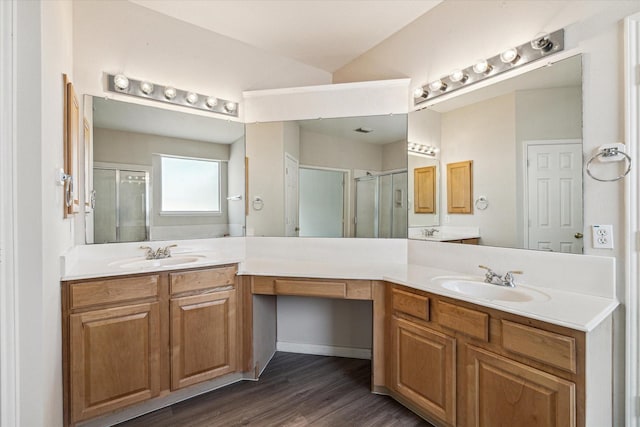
(121, 82)
(211, 101)
(437, 85)
(542, 42)
(192, 98)
(230, 107)
(482, 67)
(170, 92)
(419, 92)
(146, 87)
(458, 76)
(510, 56)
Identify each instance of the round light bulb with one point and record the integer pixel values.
(211, 101)
(419, 92)
(458, 76)
(482, 67)
(192, 98)
(437, 85)
(146, 87)
(230, 107)
(510, 56)
(170, 92)
(542, 42)
(121, 82)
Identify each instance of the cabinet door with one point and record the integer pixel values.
(505, 393)
(203, 337)
(424, 369)
(115, 358)
(460, 187)
(424, 182)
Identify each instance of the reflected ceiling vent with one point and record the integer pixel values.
(363, 130)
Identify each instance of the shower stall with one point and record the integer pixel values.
(381, 205)
(121, 212)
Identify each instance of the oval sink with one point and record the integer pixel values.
(479, 289)
(163, 262)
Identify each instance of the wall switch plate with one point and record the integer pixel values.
(602, 236)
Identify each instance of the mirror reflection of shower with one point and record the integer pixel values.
(122, 205)
(381, 209)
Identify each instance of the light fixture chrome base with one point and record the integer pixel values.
(538, 48)
(147, 90)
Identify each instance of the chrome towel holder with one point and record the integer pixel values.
(609, 153)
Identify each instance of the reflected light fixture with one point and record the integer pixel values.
(543, 45)
(422, 149)
(122, 84)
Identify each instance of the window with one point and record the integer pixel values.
(189, 185)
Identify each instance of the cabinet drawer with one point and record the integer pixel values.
(411, 304)
(344, 289)
(96, 292)
(469, 322)
(537, 344)
(202, 279)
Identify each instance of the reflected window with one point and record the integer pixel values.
(189, 185)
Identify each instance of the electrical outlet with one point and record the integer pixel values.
(602, 236)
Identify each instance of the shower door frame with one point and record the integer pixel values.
(118, 167)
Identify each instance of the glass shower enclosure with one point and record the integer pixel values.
(121, 212)
(381, 205)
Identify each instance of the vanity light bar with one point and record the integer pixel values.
(422, 149)
(540, 47)
(119, 83)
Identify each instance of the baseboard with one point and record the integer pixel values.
(324, 350)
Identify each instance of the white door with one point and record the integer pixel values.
(290, 196)
(554, 194)
(321, 203)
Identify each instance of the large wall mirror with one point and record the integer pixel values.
(340, 177)
(506, 164)
(163, 175)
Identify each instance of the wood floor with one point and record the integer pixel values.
(295, 390)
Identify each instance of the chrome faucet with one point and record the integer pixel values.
(495, 279)
(429, 232)
(158, 253)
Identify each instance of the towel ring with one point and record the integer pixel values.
(608, 152)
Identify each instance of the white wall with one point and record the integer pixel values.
(265, 150)
(237, 187)
(592, 27)
(394, 155)
(485, 133)
(43, 52)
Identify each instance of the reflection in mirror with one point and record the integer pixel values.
(164, 175)
(341, 177)
(524, 138)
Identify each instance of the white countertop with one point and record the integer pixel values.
(574, 310)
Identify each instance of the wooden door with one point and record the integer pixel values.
(203, 337)
(554, 197)
(505, 393)
(115, 358)
(424, 369)
(460, 187)
(424, 188)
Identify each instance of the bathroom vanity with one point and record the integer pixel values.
(146, 336)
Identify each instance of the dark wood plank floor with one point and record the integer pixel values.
(295, 390)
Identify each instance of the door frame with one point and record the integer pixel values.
(632, 219)
(525, 179)
(346, 192)
(8, 289)
(288, 156)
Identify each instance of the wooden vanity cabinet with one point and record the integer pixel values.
(128, 339)
(459, 364)
(113, 344)
(203, 326)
